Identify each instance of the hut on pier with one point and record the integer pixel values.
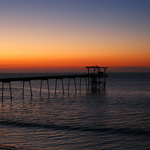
(95, 74)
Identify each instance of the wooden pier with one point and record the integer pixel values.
(92, 79)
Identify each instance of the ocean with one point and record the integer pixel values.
(115, 118)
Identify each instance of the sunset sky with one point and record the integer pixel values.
(67, 35)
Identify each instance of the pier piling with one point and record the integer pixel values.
(48, 91)
(40, 88)
(23, 90)
(10, 90)
(30, 88)
(2, 89)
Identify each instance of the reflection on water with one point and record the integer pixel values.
(115, 118)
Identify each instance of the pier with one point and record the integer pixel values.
(92, 79)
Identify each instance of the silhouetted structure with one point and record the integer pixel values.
(94, 79)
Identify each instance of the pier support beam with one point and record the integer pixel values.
(47, 88)
(2, 89)
(75, 84)
(40, 88)
(62, 85)
(23, 90)
(30, 88)
(10, 90)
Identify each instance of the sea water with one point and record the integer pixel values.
(115, 118)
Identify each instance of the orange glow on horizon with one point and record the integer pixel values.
(63, 61)
(33, 50)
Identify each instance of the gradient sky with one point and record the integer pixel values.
(67, 35)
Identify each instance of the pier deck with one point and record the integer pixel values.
(49, 77)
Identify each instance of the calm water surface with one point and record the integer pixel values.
(117, 118)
